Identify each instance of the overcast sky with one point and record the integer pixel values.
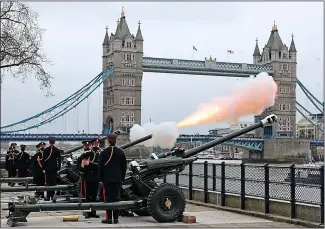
(75, 32)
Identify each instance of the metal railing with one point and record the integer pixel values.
(295, 184)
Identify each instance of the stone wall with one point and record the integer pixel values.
(286, 148)
(256, 204)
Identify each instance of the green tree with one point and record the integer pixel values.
(21, 53)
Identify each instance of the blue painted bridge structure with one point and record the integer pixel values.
(255, 144)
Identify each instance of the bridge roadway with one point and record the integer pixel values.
(205, 217)
(246, 143)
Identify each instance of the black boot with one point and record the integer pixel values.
(115, 221)
(87, 215)
(94, 215)
(107, 221)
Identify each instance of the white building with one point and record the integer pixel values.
(305, 129)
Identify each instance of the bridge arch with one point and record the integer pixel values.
(108, 125)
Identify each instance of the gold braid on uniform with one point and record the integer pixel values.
(50, 154)
(92, 161)
(39, 161)
(110, 157)
(21, 154)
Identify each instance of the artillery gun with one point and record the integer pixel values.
(140, 193)
(67, 162)
(68, 177)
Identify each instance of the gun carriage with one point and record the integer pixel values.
(165, 202)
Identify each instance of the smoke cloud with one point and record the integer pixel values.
(250, 98)
(164, 134)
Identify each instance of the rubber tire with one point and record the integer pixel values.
(142, 212)
(153, 203)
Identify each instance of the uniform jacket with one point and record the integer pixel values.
(89, 172)
(112, 165)
(23, 160)
(36, 162)
(11, 159)
(51, 158)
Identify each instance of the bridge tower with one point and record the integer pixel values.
(122, 89)
(284, 62)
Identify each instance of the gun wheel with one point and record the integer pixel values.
(166, 203)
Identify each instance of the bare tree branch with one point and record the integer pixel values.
(21, 44)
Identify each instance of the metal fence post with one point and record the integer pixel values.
(177, 179)
(223, 184)
(214, 177)
(190, 181)
(242, 186)
(205, 182)
(293, 190)
(322, 194)
(165, 178)
(266, 188)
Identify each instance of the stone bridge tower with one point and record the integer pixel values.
(122, 89)
(284, 62)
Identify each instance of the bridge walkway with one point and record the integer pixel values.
(205, 217)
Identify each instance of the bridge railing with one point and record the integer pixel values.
(294, 185)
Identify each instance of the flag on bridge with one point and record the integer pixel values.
(194, 48)
(230, 51)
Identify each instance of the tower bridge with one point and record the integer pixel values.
(122, 73)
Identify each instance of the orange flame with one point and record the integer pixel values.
(248, 99)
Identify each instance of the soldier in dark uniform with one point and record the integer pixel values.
(11, 164)
(38, 175)
(112, 170)
(23, 162)
(88, 165)
(51, 164)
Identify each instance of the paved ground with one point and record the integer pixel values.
(206, 217)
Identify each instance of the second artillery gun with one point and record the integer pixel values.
(67, 180)
(165, 202)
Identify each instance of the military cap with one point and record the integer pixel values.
(96, 140)
(112, 137)
(22, 145)
(42, 143)
(51, 140)
(85, 142)
(38, 145)
(13, 144)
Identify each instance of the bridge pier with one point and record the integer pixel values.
(286, 149)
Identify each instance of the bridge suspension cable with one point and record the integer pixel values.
(59, 109)
(311, 97)
(303, 112)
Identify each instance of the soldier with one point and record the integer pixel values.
(95, 145)
(11, 164)
(23, 162)
(38, 175)
(112, 170)
(88, 165)
(51, 164)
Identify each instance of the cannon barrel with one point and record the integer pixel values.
(36, 188)
(74, 206)
(129, 144)
(68, 152)
(264, 122)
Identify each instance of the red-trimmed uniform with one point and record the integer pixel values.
(23, 162)
(112, 171)
(38, 175)
(88, 165)
(51, 165)
(11, 158)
